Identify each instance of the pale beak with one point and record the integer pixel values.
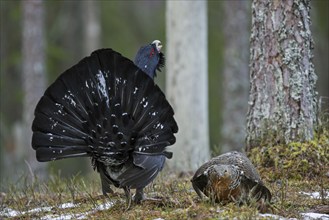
(157, 44)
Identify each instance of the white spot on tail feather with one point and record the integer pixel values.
(101, 85)
(136, 89)
(70, 98)
(159, 125)
(54, 124)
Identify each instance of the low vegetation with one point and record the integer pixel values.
(292, 173)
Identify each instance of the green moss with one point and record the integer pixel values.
(295, 160)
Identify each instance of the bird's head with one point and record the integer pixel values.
(220, 171)
(149, 58)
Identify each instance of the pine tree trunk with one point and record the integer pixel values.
(187, 86)
(282, 97)
(236, 74)
(33, 75)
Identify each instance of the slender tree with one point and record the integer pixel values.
(236, 74)
(282, 97)
(92, 28)
(187, 86)
(33, 74)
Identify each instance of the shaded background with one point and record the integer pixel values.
(124, 26)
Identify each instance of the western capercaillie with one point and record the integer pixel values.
(107, 108)
(231, 177)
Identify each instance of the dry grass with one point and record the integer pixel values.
(177, 200)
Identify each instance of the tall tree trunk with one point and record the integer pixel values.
(91, 42)
(236, 74)
(282, 101)
(92, 29)
(33, 74)
(320, 30)
(187, 76)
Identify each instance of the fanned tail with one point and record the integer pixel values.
(104, 107)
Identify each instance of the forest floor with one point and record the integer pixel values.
(79, 198)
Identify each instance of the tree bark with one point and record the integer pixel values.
(236, 74)
(92, 29)
(282, 97)
(33, 74)
(187, 76)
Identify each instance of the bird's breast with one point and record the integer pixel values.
(219, 189)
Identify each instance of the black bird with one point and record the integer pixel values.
(107, 108)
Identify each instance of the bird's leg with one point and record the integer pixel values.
(107, 191)
(139, 195)
(106, 183)
(128, 197)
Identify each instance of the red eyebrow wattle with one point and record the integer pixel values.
(152, 52)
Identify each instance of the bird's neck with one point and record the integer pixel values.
(147, 68)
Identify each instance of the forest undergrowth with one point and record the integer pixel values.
(296, 174)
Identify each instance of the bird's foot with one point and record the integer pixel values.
(160, 201)
(155, 201)
(140, 197)
(152, 199)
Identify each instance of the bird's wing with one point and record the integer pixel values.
(144, 169)
(255, 189)
(199, 183)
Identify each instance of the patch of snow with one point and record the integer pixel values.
(8, 212)
(67, 216)
(66, 205)
(312, 215)
(83, 215)
(13, 213)
(100, 207)
(57, 217)
(315, 195)
(276, 217)
(40, 209)
(105, 206)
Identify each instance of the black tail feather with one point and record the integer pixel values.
(50, 153)
(41, 139)
(55, 126)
